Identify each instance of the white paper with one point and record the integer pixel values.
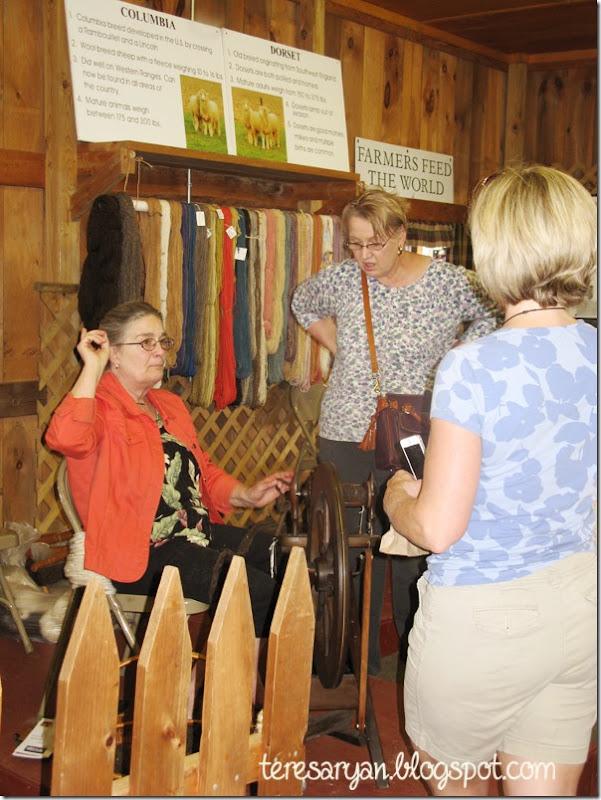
(144, 76)
(302, 94)
(135, 71)
(39, 743)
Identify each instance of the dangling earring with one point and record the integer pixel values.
(399, 250)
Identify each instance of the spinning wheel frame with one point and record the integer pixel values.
(328, 557)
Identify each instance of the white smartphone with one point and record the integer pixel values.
(413, 448)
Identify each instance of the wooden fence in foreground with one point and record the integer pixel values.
(230, 756)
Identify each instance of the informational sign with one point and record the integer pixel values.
(145, 76)
(414, 174)
(286, 100)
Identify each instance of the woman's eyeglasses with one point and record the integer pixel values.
(485, 182)
(149, 344)
(373, 247)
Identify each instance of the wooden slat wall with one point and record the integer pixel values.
(399, 87)
(21, 245)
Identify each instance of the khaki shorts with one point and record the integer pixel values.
(506, 667)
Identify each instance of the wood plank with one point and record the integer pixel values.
(311, 25)
(23, 254)
(413, 54)
(160, 720)
(515, 114)
(352, 48)
(23, 76)
(462, 130)
(372, 99)
(18, 399)
(488, 113)
(84, 716)
(227, 701)
(286, 709)
(572, 58)
(22, 168)
(214, 178)
(257, 18)
(581, 100)
(19, 440)
(61, 233)
(429, 97)
(552, 117)
(392, 111)
(284, 24)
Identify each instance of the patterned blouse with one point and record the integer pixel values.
(530, 394)
(414, 326)
(180, 511)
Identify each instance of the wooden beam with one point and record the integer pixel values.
(22, 168)
(567, 59)
(365, 13)
(429, 211)
(19, 399)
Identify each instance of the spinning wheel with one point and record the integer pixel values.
(316, 510)
(328, 557)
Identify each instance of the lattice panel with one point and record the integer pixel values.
(248, 443)
(587, 176)
(58, 369)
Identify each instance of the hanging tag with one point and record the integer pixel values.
(231, 231)
(220, 213)
(240, 254)
(200, 219)
(209, 233)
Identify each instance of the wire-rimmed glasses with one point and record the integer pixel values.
(373, 247)
(149, 344)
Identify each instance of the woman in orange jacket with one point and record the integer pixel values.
(147, 495)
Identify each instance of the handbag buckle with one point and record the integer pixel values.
(408, 409)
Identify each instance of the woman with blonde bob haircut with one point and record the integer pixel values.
(547, 252)
(506, 507)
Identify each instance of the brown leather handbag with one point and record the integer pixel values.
(396, 415)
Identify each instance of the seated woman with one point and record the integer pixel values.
(147, 495)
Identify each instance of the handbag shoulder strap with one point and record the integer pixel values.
(370, 334)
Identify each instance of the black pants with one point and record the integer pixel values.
(203, 570)
(355, 466)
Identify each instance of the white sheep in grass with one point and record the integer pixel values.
(274, 129)
(205, 114)
(256, 123)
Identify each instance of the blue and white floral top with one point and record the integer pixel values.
(531, 395)
(414, 326)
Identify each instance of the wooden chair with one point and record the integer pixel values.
(120, 604)
(11, 539)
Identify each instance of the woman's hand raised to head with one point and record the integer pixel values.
(93, 348)
(263, 492)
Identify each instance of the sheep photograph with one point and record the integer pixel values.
(204, 119)
(259, 124)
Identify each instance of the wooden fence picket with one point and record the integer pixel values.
(87, 697)
(288, 681)
(162, 685)
(230, 756)
(227, 699)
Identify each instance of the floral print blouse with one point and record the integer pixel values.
(180, 511)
